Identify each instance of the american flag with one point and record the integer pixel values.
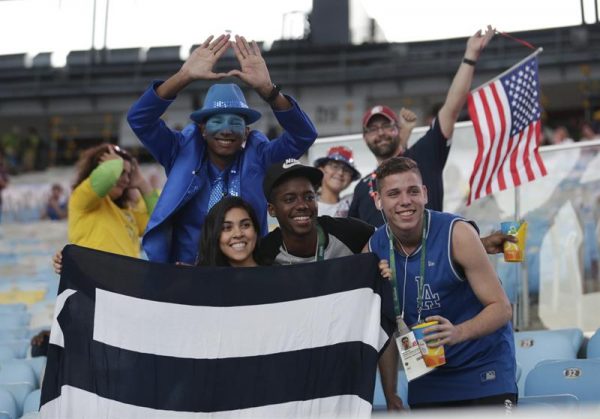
(506, 117)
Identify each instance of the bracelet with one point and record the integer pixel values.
(469, 61)
(273, 95)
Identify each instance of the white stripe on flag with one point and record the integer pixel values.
(75, 403)
(201, 332)
(495, 125)
(486, 143)
(56, 333)
(503, 141)
(535, 167)
(520, 156)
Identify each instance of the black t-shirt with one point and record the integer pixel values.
(430, 153)
(343, 237)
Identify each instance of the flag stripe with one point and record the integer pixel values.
(203, 385)
(78, 401)
(514, 171)
(538, 158)
(500, 141)
(472, 104)
(489, 137)
(494, 139)
(527, 152)
(205, 285)
(217, 332)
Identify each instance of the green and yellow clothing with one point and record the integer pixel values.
(95, 221)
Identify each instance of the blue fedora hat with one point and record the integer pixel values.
(225, 98)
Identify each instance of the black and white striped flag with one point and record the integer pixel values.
(134, 339)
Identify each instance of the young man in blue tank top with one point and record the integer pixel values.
(459, 289)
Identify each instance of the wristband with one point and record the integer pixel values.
(470, 62)
(273, 95)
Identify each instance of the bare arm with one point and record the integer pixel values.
(468, 252)
(198, 66)
(461, 84)
(388, 362)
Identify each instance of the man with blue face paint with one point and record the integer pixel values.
(218, 154)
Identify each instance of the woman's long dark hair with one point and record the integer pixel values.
(210, 253)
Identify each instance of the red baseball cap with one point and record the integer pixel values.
(379, 110)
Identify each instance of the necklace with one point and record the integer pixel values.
(319, 250)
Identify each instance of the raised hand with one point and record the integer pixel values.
(254, 71)
(200, 63)
(478, 42)
(110, 154)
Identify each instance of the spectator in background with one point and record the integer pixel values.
(338, 172)
(3, 177)
(381, 133)
(101, 215)
(561, 136)
(30, 146)
(218, 154)
(11, 142)
(56, 207)
(590, 130)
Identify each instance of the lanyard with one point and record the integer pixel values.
(320, 253)
(421, 287)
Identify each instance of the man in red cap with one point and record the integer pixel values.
(381, 132)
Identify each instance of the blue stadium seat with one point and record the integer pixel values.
(32, 402)
(18, 347)
(14, 320)
(13, 334)
(17, 371)
(579, 377)
(379, 403)
(558, 401)
(532, 347)
(38, 364)
(19, 391)
(8, 405)
(12, 308)
(7, 352)
(593, 347)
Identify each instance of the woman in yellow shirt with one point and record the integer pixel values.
(105, 212)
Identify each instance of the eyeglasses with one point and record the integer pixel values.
(375, 128)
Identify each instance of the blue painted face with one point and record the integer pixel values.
(225, 122)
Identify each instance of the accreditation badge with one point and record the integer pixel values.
(410, 353)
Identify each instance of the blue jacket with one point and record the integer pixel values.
(183, 154)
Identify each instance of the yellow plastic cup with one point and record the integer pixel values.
(514, 252)
(433, 357)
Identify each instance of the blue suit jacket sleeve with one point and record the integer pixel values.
(299, 134)
(144, 119)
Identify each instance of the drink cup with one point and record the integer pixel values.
(514, 252)
(433, 357)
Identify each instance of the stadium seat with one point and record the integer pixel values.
(12, 334)
(18, 347)
(8, 405)
(379, 403)
(19, 391)
(17, 371)
(14, 320)
(593, 347)
(38, 364)
(579, 377)
(32, 402)
(12, 308)
(557, 401)
(532, 347)
(6, 352)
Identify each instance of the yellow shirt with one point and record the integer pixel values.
(98, 223)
